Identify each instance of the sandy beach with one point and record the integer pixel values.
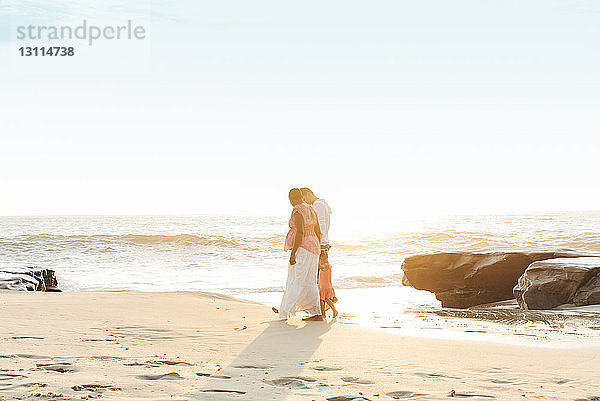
(179, 176)
(195, 346)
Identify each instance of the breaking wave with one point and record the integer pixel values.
(135, 239)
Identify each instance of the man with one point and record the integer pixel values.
(323, 212)
(326, 291)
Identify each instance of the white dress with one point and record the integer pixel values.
(301, 289)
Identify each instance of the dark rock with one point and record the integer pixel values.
(550, 283)
(589, 293)
(464, 279)
(13, 280)
(28, 279)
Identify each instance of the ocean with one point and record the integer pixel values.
(243, 257)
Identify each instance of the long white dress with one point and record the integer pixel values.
(301, 289)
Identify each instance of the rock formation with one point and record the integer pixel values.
(28, 279)
(463, 279)
(550, 283)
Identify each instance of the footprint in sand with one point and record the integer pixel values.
(223, 391)
(348, 398)
(157, 364)
(55, 396)
(59, 367)
(292, 382)
(213, 376)
(252, 367)
(356, 380)
(24, 356)
(435, 375)
(166, 376)
(106, 358)
(499, 381)
(468, 395)
(326, 369)
(141, 364)
(27, 338)
(402, 395)
(8, 386)
(173, 363)
(98, 388)
(9, 376)
(592, 398)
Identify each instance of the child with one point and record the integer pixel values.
(326, 291)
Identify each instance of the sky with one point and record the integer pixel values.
(387, 108)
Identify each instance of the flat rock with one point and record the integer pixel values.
(28, 279)
(550, 283)
(464, 279)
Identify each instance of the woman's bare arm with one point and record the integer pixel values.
(299, 223)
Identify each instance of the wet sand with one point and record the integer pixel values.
(197, 346)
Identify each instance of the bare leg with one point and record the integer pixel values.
(323, 308)
(317, 318)
(332, 306)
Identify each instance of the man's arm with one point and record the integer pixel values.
(318, 232)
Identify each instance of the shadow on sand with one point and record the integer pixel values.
(282, 347)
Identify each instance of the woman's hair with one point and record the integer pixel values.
(307, 191)
(295, 195)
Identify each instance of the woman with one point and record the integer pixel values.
(303, 239)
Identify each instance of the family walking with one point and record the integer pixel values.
(308, 287)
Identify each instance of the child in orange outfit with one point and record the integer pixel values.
(326, 291)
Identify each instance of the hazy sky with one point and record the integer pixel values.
(415, 107)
